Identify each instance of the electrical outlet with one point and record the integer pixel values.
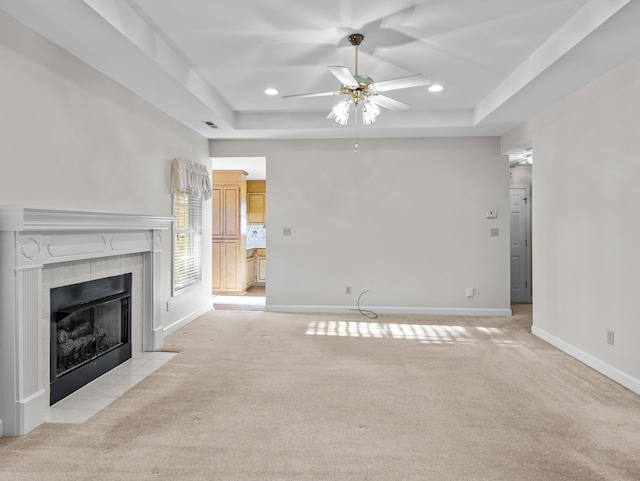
(367, 291)
(347, 290)
(470, 292)
(610, 337)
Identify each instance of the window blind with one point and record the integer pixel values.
(187, 250)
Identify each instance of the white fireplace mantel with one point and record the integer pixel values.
(31, 238)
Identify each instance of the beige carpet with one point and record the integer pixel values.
(264, 396)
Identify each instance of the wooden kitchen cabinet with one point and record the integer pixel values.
(226, 210)
(256, 201)
(251, 275)
(227, 278)
(262, 269)
(229, 190)
(261, 260)
(256, 208)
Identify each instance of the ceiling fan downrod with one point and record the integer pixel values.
(356, 39)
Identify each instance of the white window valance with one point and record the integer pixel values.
(186, 173)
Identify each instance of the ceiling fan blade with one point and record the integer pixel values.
(389, 103)
(402, 83)
(318, 94)
(343, 74)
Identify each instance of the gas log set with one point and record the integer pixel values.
(79, 344)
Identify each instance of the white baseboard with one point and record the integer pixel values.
(602, 367)
(173, 327)
(426, 311)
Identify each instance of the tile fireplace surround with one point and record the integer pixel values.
(32, 240)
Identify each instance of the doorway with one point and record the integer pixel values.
(244, 269)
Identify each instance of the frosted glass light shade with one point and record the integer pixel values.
(341, 111)
(370, 112)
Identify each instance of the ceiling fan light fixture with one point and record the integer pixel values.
(341, 111)
(436, 88)
(370, 112)
(271, 91)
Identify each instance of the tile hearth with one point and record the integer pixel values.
(95, 396)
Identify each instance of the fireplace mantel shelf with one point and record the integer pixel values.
(34, 219)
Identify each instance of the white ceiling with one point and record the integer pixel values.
(500, 61)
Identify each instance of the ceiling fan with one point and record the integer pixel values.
(360, 89)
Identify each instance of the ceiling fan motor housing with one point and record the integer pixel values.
(358, 93)
(363, 79)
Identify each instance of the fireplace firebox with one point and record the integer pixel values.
(90, 332)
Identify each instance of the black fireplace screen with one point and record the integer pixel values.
(83, 335)
(90, 332)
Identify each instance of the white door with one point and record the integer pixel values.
(520, 249)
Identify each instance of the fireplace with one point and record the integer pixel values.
(90, 332)
(44, 249)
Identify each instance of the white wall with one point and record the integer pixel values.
(521, 175)
(585, 254)
(73, 139)
(405, 217)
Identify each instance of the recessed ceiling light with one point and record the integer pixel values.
(436, 88)
(271, 92)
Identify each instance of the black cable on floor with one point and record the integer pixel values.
(366, 312)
